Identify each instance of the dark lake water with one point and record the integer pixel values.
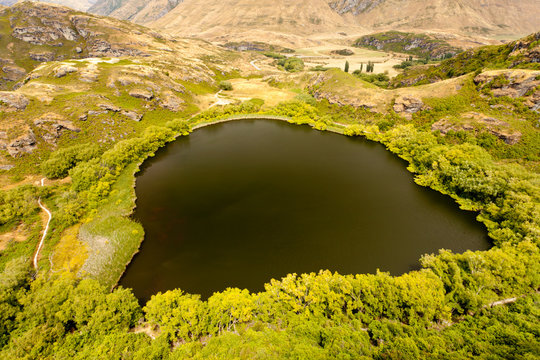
(240, 203)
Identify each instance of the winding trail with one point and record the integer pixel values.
(255, 66)
(219, 100)
(44, 232)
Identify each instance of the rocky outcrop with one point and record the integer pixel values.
(354, 7)
(100, 48)
(42, 56)
(141, 94)
(408, 105)
(22, 145)
(408, 43)
(171, 102)
(343, 101)
(63, 70)
(13, 72)
(12, 101)
(133, 115)
(525, 51)
(53, 126)
(476, 122)
(523, 84)
(89, 74)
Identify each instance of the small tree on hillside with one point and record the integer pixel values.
(225, 85)
(346, 66)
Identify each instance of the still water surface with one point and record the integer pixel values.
(239, 203)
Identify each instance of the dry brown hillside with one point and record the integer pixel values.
(82, 5)
(241, 18)
(138, 11)
(471, 17)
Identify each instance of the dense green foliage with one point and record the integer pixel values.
(93, 179)
(225, 85)
(410, 62)
(63, 160)
(292, 64)
(18, 203)
(380, 80)
(317, 316)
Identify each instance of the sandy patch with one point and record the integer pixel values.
(18, 234)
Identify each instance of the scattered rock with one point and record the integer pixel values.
(6, 167)
(64, 70)
(42, 56)
(109, 107)
(132, 115)
(53, 126)
(128, 80)
(13, 100)
(96, 113)
(171, 102)
(37, 35)
(141, 94)
(90, 73)
(102, 48)
(78, 50)
(408, 105)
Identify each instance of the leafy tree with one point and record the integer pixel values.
(292, 64)
(225, 85)
(179, 315)
(61, 161)
(229, 308)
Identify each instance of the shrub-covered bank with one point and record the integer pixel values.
(442, 311)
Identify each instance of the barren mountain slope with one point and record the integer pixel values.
(481, 17)
(212, 18)
(74, 4)
(138, 11)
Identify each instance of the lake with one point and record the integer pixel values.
(239, 203)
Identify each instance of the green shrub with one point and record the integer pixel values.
(18, 203)
(292, 64)
(225, 85)
(61, 161)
